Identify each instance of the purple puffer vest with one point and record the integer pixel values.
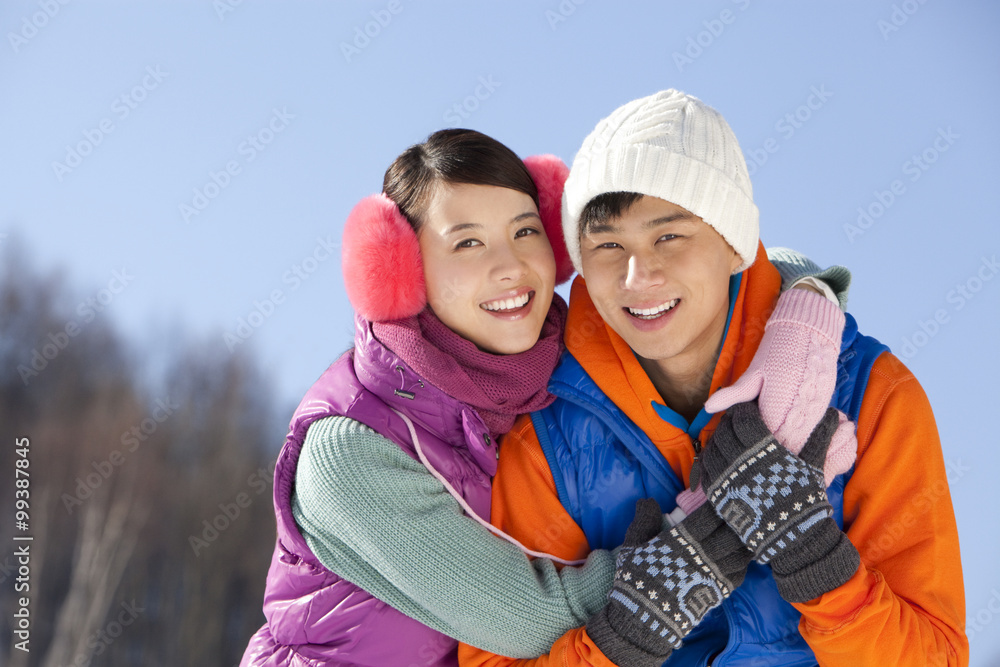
(315, 617)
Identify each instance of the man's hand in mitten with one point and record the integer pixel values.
(776, 501)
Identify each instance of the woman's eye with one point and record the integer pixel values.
(467, 243)
(525, 231)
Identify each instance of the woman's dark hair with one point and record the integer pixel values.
(452, 156)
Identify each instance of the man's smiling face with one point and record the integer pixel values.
(659, 276)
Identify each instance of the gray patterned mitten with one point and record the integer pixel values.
(776, 502)
(664, 586)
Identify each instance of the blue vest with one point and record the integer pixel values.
(603, 463)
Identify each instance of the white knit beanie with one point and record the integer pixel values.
(672, 146)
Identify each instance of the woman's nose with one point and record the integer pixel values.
(508, 264)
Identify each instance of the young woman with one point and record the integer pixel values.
(451, 271)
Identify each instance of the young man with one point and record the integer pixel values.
(670, 306)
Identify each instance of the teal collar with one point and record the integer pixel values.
(702, 418)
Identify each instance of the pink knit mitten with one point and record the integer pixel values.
(794, 373)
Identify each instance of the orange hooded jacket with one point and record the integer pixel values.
(906, 603)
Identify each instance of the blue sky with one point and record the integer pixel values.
(209, 152)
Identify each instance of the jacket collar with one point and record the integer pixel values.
(382, 372)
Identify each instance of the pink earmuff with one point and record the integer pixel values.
(549, 174)
(383, 272)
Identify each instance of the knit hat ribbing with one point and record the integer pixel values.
(672, 146)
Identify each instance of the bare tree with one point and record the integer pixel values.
(150, 498)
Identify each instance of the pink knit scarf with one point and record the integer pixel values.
(498, 386)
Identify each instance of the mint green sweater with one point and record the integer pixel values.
(379, 519)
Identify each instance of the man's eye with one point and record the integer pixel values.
(610, 245)
(667, 237)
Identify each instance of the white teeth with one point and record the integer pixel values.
(651, 312)
(507, 304)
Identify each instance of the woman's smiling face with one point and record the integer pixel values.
(488, 266)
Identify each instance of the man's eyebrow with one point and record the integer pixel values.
(673, 217)
(606, 227)
(609, 227)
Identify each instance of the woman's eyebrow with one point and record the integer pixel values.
(523, 216)
(462, 226)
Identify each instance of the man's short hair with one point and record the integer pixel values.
(605, 208)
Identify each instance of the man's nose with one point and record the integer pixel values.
(643, 272)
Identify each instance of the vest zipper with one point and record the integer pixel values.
(402, 381)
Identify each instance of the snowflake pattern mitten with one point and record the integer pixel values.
(664, 587)
(776, 501)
